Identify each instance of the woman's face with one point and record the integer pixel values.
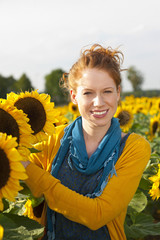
(97, 97)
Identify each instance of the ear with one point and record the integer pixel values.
(73, 96)
(118, 93)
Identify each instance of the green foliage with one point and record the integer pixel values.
(142, 93)
(19, 227)
(135, 78)
(141, 215)
(137, 204)
(9, 84)
(140, 221)
(23, 84)
(142, 225)
(53, 89)
(6, 85)
(140, 118)
(16, 226)
(25, 193)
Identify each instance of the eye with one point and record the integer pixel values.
(107, 91)
(86, 93)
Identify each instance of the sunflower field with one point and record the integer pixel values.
(27, 121)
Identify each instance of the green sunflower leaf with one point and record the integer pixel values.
(20, 227)
(144, 226)
(138, 203)
(34, 150)
(144, 184)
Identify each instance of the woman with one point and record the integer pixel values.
(97, 168)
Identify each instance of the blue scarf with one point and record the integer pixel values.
(104, 157)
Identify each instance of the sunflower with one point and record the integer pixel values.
(29, 211)
(11, 169)
(14, 122)
(39, 110)
(75, 116)
(158, 104)
(73, 108)
(1, 232)
(62, 120)
(60, 116)
(125, 117)
(154, 126)
(37, 213)
(47, 151)
(1, 203)
(155, 190)
(62, 109)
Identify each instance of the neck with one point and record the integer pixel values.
(93, 133)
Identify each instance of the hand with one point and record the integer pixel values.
(25, 163)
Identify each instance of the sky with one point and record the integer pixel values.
(38, 36)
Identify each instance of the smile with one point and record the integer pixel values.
(99, 112)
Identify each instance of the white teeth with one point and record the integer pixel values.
(99, 113)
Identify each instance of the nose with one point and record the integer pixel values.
(98, 100)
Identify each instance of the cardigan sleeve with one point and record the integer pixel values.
(95, 213)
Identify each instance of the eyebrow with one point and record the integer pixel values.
(109, 88)
(89, 89)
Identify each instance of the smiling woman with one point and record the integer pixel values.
(97, 168)
(97, 100)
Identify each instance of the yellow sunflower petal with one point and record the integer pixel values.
(154, 178)
(1, 232)
(49, 128)
(14, 155)
(18, 175)
(1, 206)
(15, 187)
(24, 152)
(10, 195)
(17, 166)
(41, 136)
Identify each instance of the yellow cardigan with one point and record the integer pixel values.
(109, 208)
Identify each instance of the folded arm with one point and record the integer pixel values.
(95, 213)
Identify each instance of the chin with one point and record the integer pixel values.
(102, 123)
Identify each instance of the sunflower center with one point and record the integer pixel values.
(4, 168)
(38, 210)
(8, 124)
(35, 112)
(154, 127)
(123, 117)
(74, 108)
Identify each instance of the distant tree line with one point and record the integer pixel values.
(135, 77)
(141, 93)
(58, 95)
(53, 88)
(10, 84)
